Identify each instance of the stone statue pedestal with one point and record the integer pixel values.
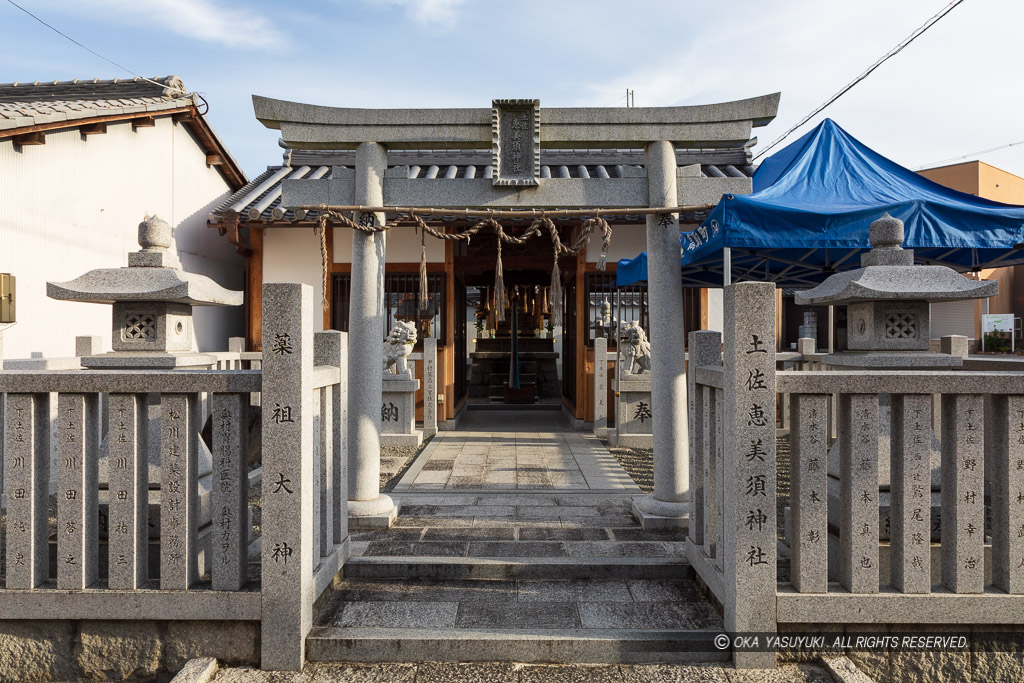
(398, 412)
(633, 416)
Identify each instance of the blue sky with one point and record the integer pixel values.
(955, 90)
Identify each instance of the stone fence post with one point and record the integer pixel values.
(749, 465)
(600, 385)
(287, 554)
(429, 387)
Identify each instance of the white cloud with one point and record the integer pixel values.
(205, 20)
(436, 13)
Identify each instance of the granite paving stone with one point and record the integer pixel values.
(397, 614)
(401, 548)
(560, 534)
(578, 590)
(441, 590)
(518, 615)
(638, 534)
(661, 590)
(393, 534)
(636, 615)
(517, 549)
(617, 549)
(474, 533)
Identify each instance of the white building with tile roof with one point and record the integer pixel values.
(81, 164)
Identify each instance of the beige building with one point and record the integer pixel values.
(982, 180)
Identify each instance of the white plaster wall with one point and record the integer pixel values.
(627, 242)
(293, 255)
(403, 246)
(715, 314)
(74, 204)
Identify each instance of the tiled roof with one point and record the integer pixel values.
(260, 200)
(31, 104)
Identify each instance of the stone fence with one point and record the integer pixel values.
(151, 516)
(928, 532)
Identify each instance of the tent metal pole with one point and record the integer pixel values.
(726, 266)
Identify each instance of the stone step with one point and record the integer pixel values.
(562, 621)
(550, 646)
(522, 568)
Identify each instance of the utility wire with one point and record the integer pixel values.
(972, 154)
(888, 55)
(88, 49)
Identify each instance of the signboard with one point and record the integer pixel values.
(515, 146)
(998, 322)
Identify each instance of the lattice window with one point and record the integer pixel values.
(901, 326)
(139, 326)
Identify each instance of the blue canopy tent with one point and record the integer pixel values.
(809, 213)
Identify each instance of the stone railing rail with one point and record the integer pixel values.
(931, 556)
(192, 562)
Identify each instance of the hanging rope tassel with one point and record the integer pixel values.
(424, 291)
(499, 289)
(325, 263)
(556, 295)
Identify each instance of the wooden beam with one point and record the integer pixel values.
(449, 331)
(582, 398)
(214, 160)
(98, 128)
(76, 123)
(143, 122)
(703, 308)
(255, 286)
(37, 138)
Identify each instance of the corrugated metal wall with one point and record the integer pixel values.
(954, 317)
(74, 204)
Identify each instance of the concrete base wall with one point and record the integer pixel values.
(992, 654)
(120, 650)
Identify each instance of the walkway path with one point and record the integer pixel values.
(521, 450)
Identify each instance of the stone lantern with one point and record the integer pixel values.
(151, 326)
(152, 301)
(887, 302)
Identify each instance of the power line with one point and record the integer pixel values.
(971, 154)
(88, 49)
(888, 55)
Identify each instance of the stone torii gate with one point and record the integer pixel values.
(515, 131)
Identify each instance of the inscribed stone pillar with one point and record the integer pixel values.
(27, 423)
(858, 492)
(809, 540)
(179, 497)
(963, 493)
(600, 385)
(668, 363)
(288, 489)
(910, 504)
(77, 504)
(429, 386)
(128, 515)
(367, 507)
(748, 549)
(230, 495)
(1005, 439)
